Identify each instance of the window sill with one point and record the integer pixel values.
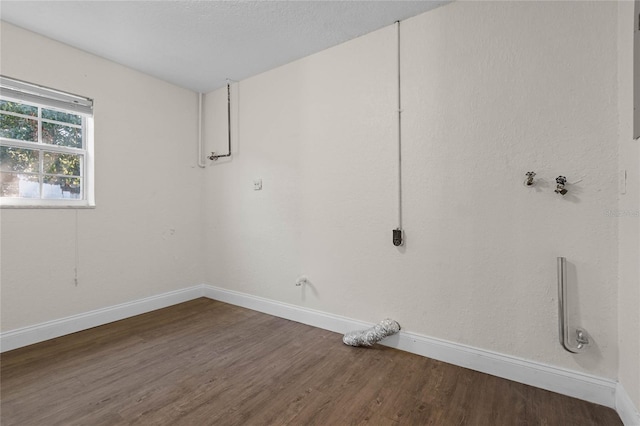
(45, 204)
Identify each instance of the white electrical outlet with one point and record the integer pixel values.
(257, 184)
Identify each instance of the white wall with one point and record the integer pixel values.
(143, 238)
(629, 206)
(491, 91)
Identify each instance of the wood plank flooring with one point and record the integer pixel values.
(208, 363)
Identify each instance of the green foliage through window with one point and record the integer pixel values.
(41, 153)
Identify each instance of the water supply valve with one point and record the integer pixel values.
(561, 181)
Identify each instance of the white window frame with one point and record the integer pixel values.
(43, 97)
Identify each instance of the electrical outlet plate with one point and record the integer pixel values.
(257, 184)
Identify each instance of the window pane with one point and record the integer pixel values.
(62, 164)
(19, 108)
(18, 159)
(61, 116)
(9, 185)
(58, 134)
(43, 150)
(23, 129)
(19, 185)
(55, 187)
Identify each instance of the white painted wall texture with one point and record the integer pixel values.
(490, 91)
(143, 238)
(629, 204)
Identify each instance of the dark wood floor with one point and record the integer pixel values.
(209, 363)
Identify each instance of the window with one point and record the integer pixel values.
(46, 147)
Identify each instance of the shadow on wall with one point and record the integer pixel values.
(592, 356)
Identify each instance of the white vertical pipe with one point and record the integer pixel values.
(399, 135)
(201, 162)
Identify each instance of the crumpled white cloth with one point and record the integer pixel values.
(372, 335)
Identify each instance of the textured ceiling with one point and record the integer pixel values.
(199, 44)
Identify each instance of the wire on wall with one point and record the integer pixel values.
(398, 233)
(77, 253)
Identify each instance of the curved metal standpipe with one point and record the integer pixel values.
(581, 337)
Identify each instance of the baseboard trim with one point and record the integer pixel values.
(51, 329)
(572, 383)
(628, 412)
(299, 314)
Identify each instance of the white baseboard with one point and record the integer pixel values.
(51, 329)
(626, 410)
(307, 316)
(572, 383)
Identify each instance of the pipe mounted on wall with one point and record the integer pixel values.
(398, 233)
(213, 155)
(201, 162)
(581, 338)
